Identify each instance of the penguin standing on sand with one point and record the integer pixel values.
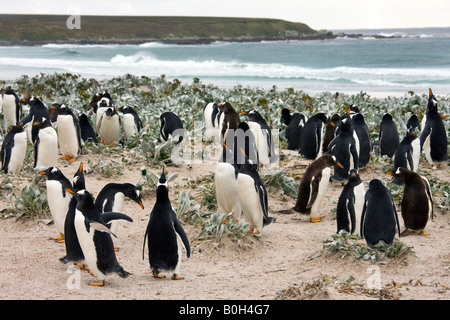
(58, 198)
(407, 154)
(388, 138)
(253, 197)
(313, 187)
(110, 127)
(12, 108)
(213, 121)
(165, 235)
(171, 127)
(343, 147)
(112, 198)
(74, 253)
(363, 134)
(263, 136)
(379, 219)
(330, 131)
(45, 141)
(312, 137)
(14, 149)
(69, 133)
(86, 129)
(95, 237)
(417, 202)
(294, 129)
(231, 119)
(131, 122)
(350, 204)
(433, 140)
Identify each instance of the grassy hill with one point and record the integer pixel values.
(36, 29)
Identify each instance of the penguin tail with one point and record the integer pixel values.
(123, 274)
(269, 220)
(287, 211)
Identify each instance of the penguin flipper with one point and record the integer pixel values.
(108, 216)
(314, 190)
(100, 227)
(351, 212)
(179, 229)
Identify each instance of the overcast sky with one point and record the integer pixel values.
(318, 14)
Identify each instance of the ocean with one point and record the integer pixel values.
(413, 60)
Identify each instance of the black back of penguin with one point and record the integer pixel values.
(388, 137)
(86, 129)
(37, 111)
(363, 133)
(379, 220)
(311, 138)
(171, 124)
(345, 210)
(294, 130)
(162, 230)
(403, 156)
(8, 145)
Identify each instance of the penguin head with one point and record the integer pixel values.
(52, 173)
(42, 123)
(321, 116)
(432, 102)
(411, 132)
(285, 116)
(375, 185)
(162, 179)
(110, 112)
(346, 125)
(132, 192)
(78, 180)
(333, 161)
(399, 173)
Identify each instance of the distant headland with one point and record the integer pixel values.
(29, 30)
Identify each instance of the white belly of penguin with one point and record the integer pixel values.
(323, 186)
(129, 126)
(227, 189)
(359, 193)
(119, 200)
(67, 136)
(261, 142)
(18, 153)
(250, 203)
(110, 130)
(416, 153)
(427, 148)
(48, 148)
(86, 240)
(9, 110)
(58, 204)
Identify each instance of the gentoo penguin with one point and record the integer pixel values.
(312, 137)
(253, 197)
(379, 219)
(95, 238)
(45, 141)
(131, 122)
(417, 202)
(330, 131)
(110, 127)
(363, 135)
(74, 253)
(86, 129)
(407, 154)
(413, 122)
(294, 130)
(69, 133)
(171, 127)
(213, 121)
(313, 187)
(58, 198)
(12, 108)
(103, 104)
(112, 198)
(263, 135)
(285, 116)
(343, 147)
(350, 204)
(433, 140)
(36, 112)
(14, 149)
(388, 137)
(165, 235)
(231, 119)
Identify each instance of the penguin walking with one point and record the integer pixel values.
(95, 237)
(363, 135)
(379, 219)
(74, 253)
(407, 154)
(343, 147)
(112, 198)
(165, 235)
(12, 108)
(58, 198)
(263, 135)
(253, 197)
(213, 120)
(231, 119)
(433, 140)
(388, 137)
(313, 187)
(45, 141)
(311, 139)
(86, 129)
(417, 202)
(14, 149)
(330, 131)
(69, 133)
(171, 127)
(350, 204)
(110, 127)
(131, 122)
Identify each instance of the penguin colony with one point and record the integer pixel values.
(88, 226)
